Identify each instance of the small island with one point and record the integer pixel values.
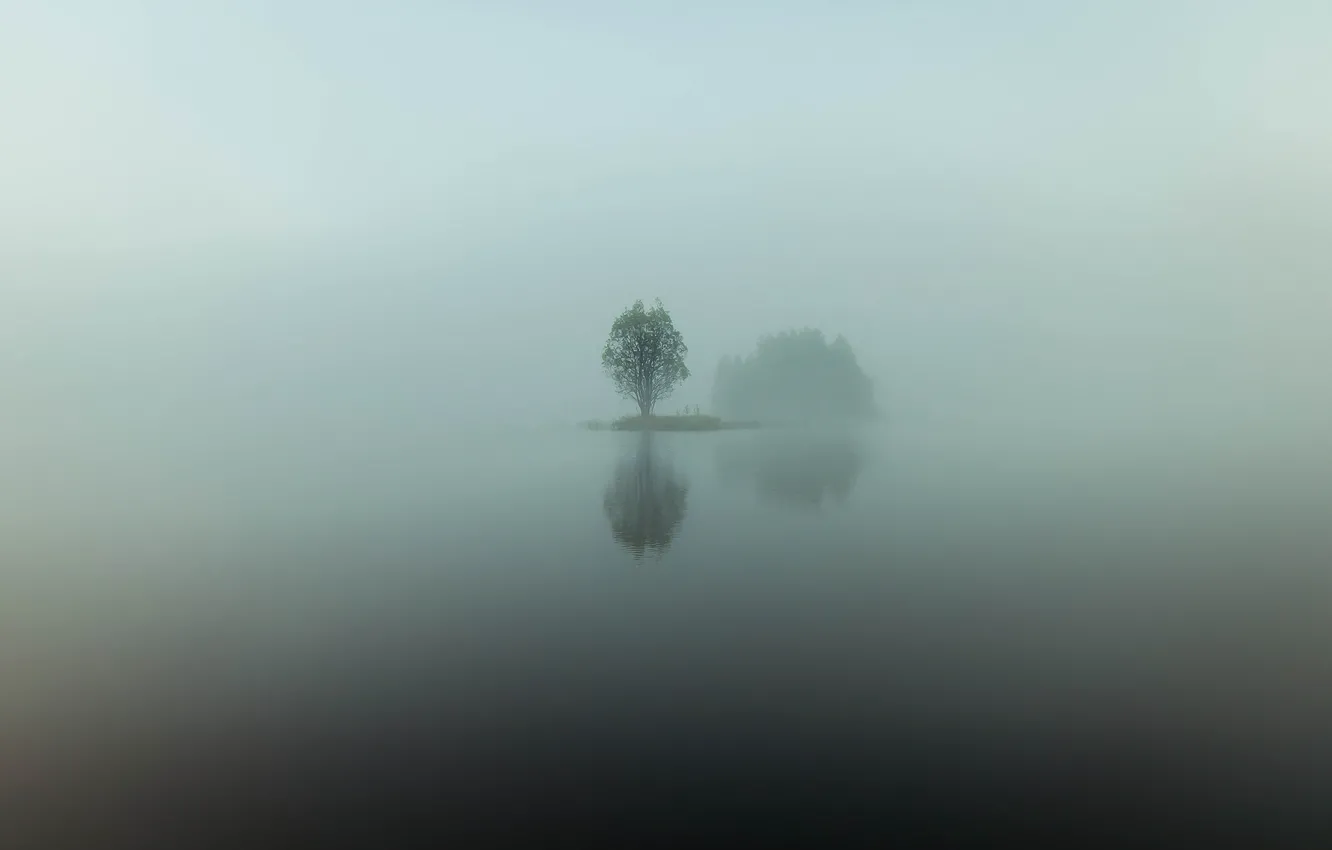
(794, 376)
(677, 422)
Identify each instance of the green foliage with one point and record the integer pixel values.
(644, 355)
(794, 376)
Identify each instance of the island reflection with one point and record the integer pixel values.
(797, 469)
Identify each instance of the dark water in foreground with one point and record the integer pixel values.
(796, 636)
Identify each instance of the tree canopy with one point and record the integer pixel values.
(644, 355)
(795, 375)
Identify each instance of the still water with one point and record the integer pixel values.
(505, 633)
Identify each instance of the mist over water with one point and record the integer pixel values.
(775, 628)
(299, 542)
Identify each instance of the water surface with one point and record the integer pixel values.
(502, 631)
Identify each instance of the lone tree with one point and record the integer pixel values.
(644, 356)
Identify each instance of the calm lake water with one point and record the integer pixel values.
(512, 632)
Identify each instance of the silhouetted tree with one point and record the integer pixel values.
(645, 501)
(644, 356)
(794, 375)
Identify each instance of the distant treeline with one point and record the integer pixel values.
(794, 376)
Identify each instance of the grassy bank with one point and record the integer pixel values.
(692, 422)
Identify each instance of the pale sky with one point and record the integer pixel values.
(431, 212)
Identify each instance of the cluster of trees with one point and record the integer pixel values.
(794, 376)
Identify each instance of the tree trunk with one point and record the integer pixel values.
(645, 408)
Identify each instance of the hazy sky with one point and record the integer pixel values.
(425, 213)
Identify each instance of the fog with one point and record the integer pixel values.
(428, 217)
(316, 283)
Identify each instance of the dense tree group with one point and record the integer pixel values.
(794, 376)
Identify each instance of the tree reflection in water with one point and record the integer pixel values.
(796, 469)
(645, 500)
